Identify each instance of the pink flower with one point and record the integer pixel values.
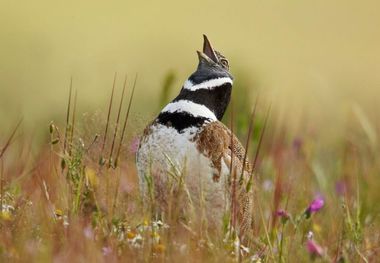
(88, 233)
(106, 251)
(316, 204)
(314, 249)
(282, 213)
(134, 146)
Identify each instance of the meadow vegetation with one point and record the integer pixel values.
(75, 197)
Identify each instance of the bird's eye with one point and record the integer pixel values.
(224, 63)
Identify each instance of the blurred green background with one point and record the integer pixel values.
(312, 59)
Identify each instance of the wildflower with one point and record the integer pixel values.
(136, 241)
(314, 249)
(134, 146)
(159, 224)
(244, 250)
(155, 236)
(6, 216)
(283, 215)
(256, 258)
(65, 221)
(131, 235)
(315, 206)
(60, 216)
(7, 208)
(88, 233)
(6, 212)
(310, 235)
(106, 251)
(58, 213)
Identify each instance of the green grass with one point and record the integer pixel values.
(76, 197)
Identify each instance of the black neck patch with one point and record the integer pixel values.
(208, 72)
(180, 120)
(216, 99)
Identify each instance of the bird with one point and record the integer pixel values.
(187, 155)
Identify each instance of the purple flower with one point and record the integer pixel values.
(88, 233)
(314, 249)
(316, 204)
(106, 251)
(282, 213)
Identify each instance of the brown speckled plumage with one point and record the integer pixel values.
(219, 144)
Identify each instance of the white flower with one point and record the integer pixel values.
(244, 249)
(255, 258)
(7, 208)
(137, 241)
(310, 235)
(160, 224)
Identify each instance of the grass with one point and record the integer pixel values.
(76, 198)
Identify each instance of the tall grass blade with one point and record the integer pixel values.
(70, 146)
(117, 120)
(9, 141)
(68, 116)
(126, 120)
(254, 163)
(250, 129)
(108, 120)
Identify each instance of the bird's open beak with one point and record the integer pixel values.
(208, 50)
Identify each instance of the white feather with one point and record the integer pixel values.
(164, 151)
(208, 84)
(197, 110)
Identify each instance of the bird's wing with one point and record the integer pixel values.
(219, 144)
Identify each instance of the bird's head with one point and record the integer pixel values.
(212, 71)
(210, 85)
(212, 65)
(211, 58)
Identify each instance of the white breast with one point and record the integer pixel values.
(165, 153)
(164, 149)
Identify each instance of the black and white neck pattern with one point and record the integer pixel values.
(197, 104)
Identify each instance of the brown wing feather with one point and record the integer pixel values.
(219, 144)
